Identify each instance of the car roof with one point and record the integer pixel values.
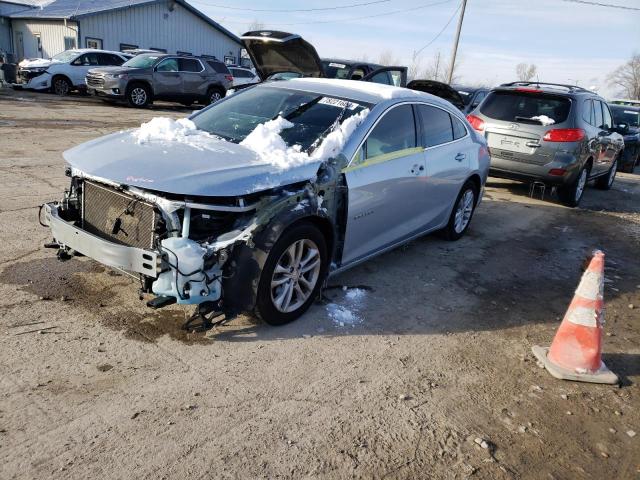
(367, 92)
(89, 50)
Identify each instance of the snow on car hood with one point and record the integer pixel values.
(191, 168)
(173, 156)
(37, 62)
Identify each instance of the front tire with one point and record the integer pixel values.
(571, 194)
(292, 275)
(61, 85)
(138, 95)
(606, 181)
(462, 213)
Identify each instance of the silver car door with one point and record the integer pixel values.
(167, 81)
(386, 186)
(447, 154)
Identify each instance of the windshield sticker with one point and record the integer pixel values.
(337, 65)
(336, 102)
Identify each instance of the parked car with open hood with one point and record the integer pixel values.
(561, 135)
(250, 203)
(66, 71)
(154, 76)
(627, 121)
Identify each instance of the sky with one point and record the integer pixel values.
(568, 42)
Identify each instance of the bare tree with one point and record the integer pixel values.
(388, 58)
(627, 78)
(526, 72)
(255, 26)
(438, 69)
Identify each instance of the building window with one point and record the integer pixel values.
(127, 46)
(95, 43)
(229, 60)
(69, 43)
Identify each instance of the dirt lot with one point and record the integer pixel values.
(441, 354)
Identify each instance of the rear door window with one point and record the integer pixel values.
(189, 65)
(514, 106)
(598, 113)
(436, 126)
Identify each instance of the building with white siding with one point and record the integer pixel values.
(172, 26)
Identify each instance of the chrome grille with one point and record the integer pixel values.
(117, 217)
(94, 80)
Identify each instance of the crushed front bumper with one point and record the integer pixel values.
(132, 259)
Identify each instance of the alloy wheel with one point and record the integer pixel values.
(61, 86)
(464, 209)
(215, 96)
(138, 96)
(582, 181)
(295, 275)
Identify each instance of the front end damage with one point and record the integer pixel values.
(190, 251)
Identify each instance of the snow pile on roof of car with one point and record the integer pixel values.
(266, 141)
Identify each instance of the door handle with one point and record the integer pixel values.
(460, 157)
(533, 144)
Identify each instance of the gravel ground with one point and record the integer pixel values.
(436, 351)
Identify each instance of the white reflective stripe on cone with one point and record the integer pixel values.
(584, 316)
(591, 286)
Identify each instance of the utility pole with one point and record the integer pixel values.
(455, 45)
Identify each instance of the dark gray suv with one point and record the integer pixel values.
(155, 76)
(560, 135)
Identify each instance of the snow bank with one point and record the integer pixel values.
(544, 120)
(266, 141)
(166, 130)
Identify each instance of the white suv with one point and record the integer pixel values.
(65, 71)
(243, 76)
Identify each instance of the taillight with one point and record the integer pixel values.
(476, 122)
(229, 78)
(564, 135)
(558, 172)
(528, 90)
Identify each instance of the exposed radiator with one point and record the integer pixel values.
(117, 217)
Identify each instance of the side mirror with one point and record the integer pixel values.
(622, 128)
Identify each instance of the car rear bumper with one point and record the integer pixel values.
(132, 259)
(528, 172)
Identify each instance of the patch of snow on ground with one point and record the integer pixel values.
(166, 130)
(544, 120)
(349, 313)
(266, 141)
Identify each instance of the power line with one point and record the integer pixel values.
(353, 19)
(277, 10)
(417, 52)
(608, 5)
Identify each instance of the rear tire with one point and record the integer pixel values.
(283, 273)
(61, 85)
(138, 95)
(606, 181)
(214, 95)
(462, 212)
(571, 194)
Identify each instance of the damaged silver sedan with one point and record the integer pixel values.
(251, 203)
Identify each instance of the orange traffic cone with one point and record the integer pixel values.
(575, 353)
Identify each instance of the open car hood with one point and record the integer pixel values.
(438, 89)
(276, 52)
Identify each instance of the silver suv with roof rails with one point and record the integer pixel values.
(561, 135)
(157, 76)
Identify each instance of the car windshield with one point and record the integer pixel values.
(284, 76)
(336, 69)
(630, 116)
(313, 115)
(66, 57)
(141, 61)
(514, 106)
